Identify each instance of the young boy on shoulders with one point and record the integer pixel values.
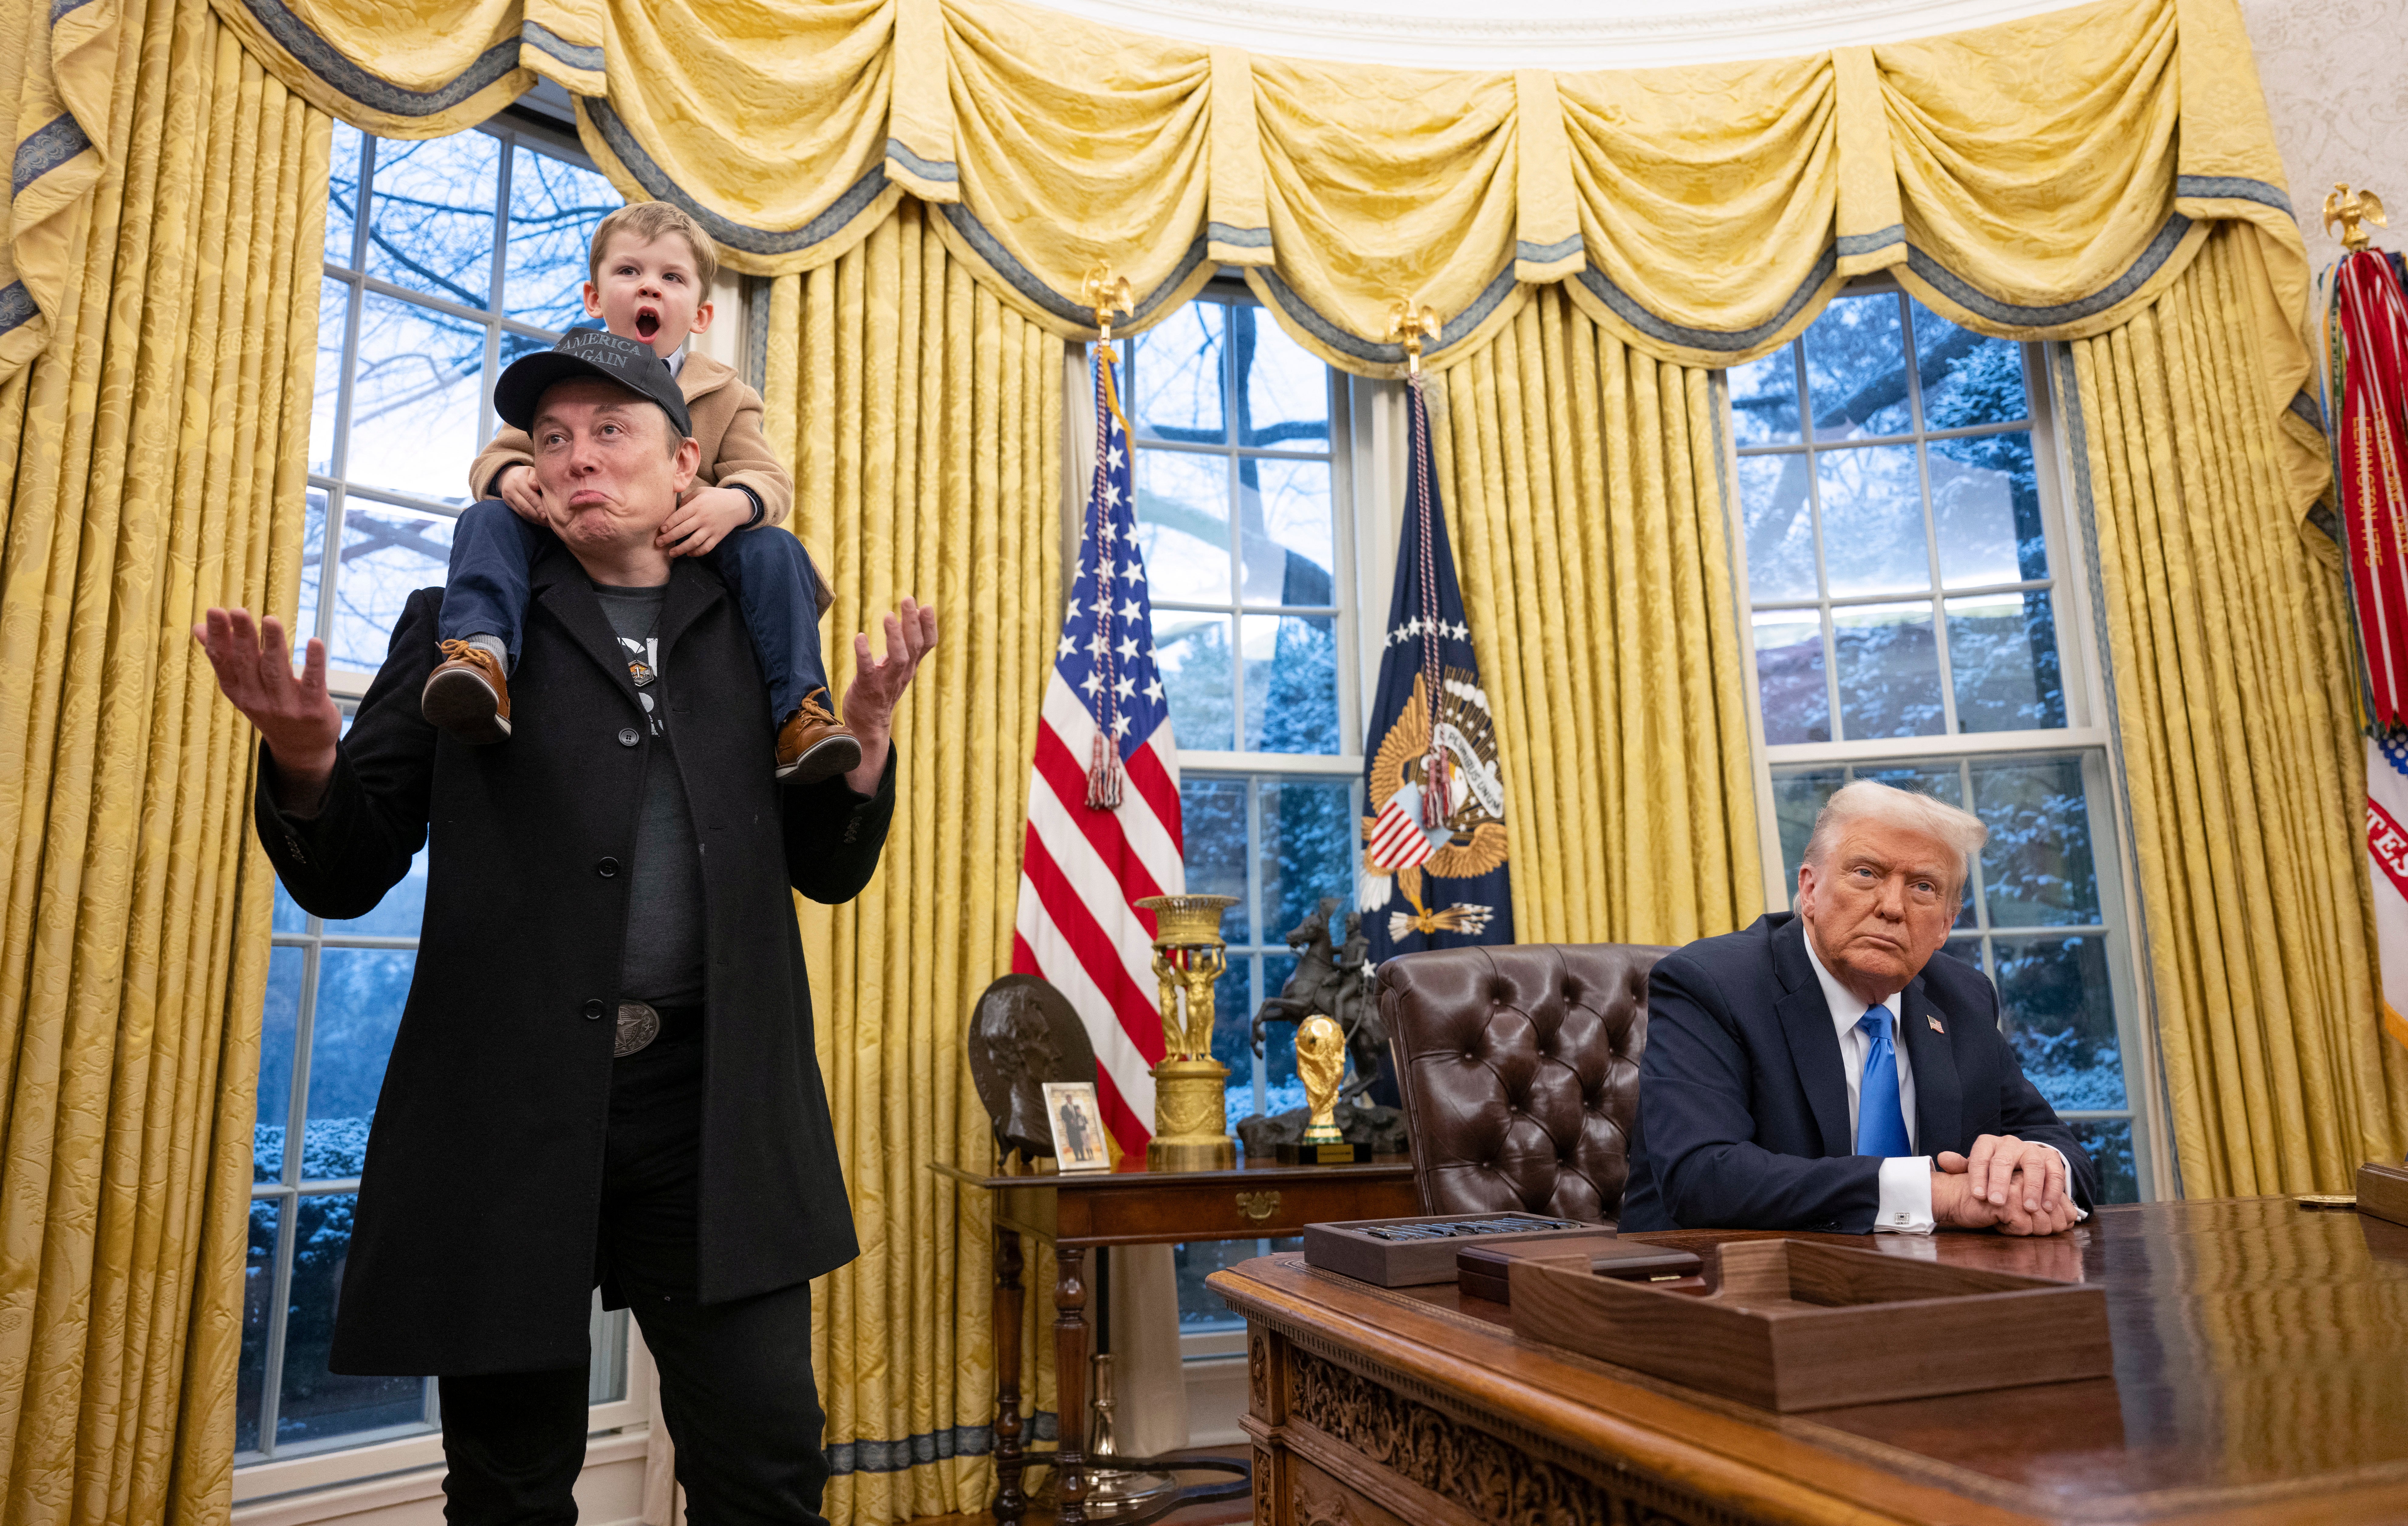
(651, 271)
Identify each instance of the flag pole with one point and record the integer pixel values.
(1107, 294)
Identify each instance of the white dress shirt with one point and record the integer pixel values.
(676, 363)
(1905, 1205)
(1905, 1180)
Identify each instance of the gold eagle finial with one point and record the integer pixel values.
(1409, 325)
(2353, 210)
(1107, 294)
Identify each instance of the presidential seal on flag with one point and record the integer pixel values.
(1434, 842)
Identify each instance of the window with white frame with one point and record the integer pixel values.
(444, 261)
(1912, 617)
(1245, 516)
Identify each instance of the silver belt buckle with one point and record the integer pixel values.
(639, 1026)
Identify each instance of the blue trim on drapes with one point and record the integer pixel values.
(1627, 309)
(16, 306)
(319, 58)
(1027, 283)
(927, 169)
(44, 150)
(545, 41)
(1452, 331)
(845, 1457)
(735, 235)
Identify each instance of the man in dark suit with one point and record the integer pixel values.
(605, 1072)
(1821, 1070)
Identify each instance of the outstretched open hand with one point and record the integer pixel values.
(879, 682)
(295, 715)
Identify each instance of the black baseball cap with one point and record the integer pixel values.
(589, 351)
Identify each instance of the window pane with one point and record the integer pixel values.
(360, 996)
(1283, 1089)
(333, 330)
(1780, 525)
(1194, 653)
(1199, 1308)
(1967, 949)
(2037, 868)
(1285, 538)
(1233, 1018)
(2003, 660)
(418, 397)
(1283, 392)
(1796, 799)
(316, 1403)
(1888, 671)
(555, 207)
(1308, 837)
(258, 1301)
(1968, 379)
(1873, 521)
(1985, 500)
(313, 587)
(288, 916)
(1856, 369)
(1212, 813)
(1789, 676)
(2108, 1141)
(1183, 527)
(1764, 399)
(1174, 377)
(388, 554)
(431, 224)
(1940, 780)
(1291, 684)
(279, 1024)
(401, 910)
(342, 193)
(2060, 1016)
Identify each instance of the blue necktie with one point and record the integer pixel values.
(1881, 1124)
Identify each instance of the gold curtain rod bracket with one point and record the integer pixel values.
(2353, 210)
(1107, 294)
(1409, 325)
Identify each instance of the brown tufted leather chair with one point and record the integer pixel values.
(1519, 1069)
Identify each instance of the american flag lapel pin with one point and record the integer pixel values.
(1935, 1024)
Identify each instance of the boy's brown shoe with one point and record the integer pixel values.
(467, 695)
(814, 744)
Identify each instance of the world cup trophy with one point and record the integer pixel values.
(1190, 1129)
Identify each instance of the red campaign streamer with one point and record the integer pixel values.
(2371, 344)
(1437, 784)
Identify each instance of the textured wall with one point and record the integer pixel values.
(2333, 75)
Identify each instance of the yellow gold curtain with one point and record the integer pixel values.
(2229, 644)
(2041, 178)
(923, 421)
(152, 463)
(1585, 492)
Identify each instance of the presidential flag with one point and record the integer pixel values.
(1434, 871)
(1103, 796)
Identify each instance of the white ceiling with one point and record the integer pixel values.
(1552, 33)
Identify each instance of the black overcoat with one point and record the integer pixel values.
(473, 1245)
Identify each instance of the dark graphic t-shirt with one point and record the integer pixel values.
(664, 959)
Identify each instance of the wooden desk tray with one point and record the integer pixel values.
(2383, 1191)
(1485, 1270)
(1349, 1249)
(1792, 1325)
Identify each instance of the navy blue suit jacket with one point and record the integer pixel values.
(1743, 1106)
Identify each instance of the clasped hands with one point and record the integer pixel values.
(2014, 1186)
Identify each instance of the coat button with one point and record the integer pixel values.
(593, 1010)
(607, 868)
(627, 737)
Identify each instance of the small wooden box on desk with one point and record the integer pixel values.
(1130, 1205)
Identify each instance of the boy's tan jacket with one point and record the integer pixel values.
(726, 417)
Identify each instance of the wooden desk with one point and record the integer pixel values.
(2261, 1375)
(1082, 1211)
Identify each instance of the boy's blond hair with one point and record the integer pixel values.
(645, 221)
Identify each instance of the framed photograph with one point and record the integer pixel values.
(1078, 1125)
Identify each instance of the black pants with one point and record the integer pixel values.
(736, 1378)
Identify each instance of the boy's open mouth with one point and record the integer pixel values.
(648, 323)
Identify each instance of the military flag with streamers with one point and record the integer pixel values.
(1103, 796)
(1433, 872)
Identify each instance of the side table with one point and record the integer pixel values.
(1083, 1211)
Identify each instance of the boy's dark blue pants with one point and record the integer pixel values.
(770, 575)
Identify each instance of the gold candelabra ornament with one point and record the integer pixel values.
(2353, 210)
(1190, 1107)
(1410, 325)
